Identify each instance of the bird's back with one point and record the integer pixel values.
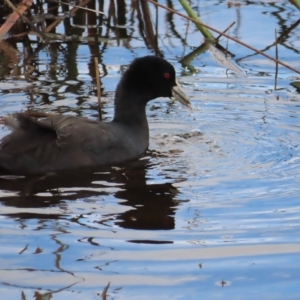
(66, 142)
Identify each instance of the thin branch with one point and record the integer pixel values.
(104, 293)
(12, 19)
(225, 30)
(98, 88)
(26, 20)
(80, 7)
(276, 55)
(59, 19)
(279, 40)
(226, 35)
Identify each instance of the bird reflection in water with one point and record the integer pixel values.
(154, 204)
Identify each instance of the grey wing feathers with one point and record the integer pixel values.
(36, 144)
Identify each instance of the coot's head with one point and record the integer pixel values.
(150, 77)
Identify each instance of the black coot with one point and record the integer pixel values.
(59, 142)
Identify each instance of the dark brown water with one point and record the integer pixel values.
(212, 209)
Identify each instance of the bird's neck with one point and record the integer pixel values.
(130, 109)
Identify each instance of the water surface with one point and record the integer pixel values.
(211, 211)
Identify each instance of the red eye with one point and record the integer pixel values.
(167, 75)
